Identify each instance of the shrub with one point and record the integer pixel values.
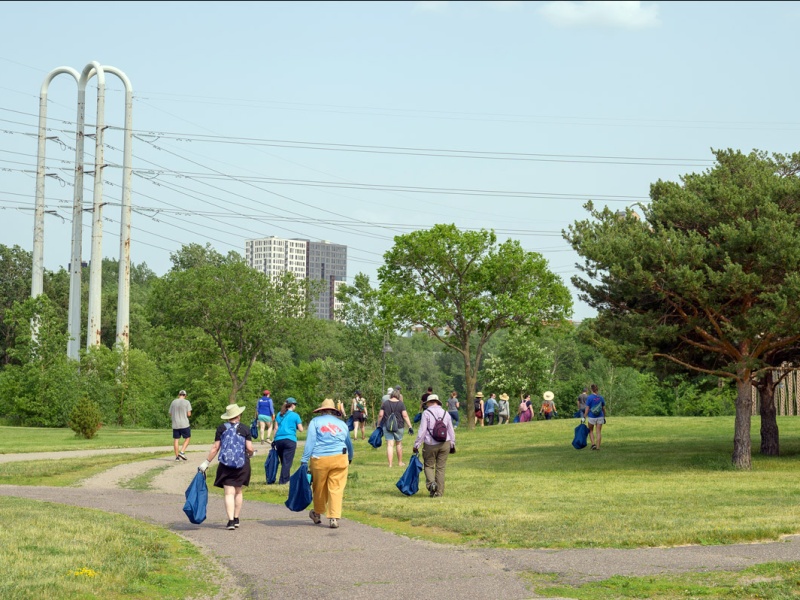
(85, 418)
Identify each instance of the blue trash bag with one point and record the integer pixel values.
(408, 483)
(271, 465)
(516, 419)
(299, 490)
(376, 439)
(196, 499)
(581, 433)
(417, 417)
(350, 423)
(254, 429)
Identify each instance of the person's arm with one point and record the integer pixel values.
(311, 441)
(423, 427)
(299, 423)
(249, 447)
(349, 445)
(211, 454)
(407, 420)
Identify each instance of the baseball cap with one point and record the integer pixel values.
(182, 393)
(266, 392)
(291, 400)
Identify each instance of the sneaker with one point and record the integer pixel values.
(334, 523)
(315, 517)
(230, 525)
(178, 459)
(432, 489)
(182, 456)
(236, 522)
(594, 447)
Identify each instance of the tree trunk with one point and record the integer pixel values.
(470, 378)
(741, 435)
(769, 421)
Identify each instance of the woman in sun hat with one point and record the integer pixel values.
(289, 423)
(548, 408)
(479, 409)
(434, 452)
(503, 410)
(239, 446)
(328, 452)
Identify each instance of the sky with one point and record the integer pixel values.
(355, 122)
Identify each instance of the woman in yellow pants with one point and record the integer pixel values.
(328, 452)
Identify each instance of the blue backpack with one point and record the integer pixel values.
(232, 448)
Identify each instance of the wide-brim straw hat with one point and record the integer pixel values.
(479, 395)
(548, 396)
(433, 398)
(232, 410)
(503, 396)
(328, 404)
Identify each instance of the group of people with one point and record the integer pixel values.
(328, 449)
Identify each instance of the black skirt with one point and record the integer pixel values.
(231, 476)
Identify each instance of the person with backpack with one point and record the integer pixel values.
(265, 412)
(438, 439)
(391, 418)
(489, 408)
(232, 442)
(452, 408)
(288, 423)
(548, 409)
(595, 414)
(328, 453)
(525, 409)
(359, 412)
(479, 409)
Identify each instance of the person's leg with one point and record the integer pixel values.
(429, 465)
(230, 501)
(441, 462)
(175, 442)
(337, 480)
(599, 435)
(390, 451)
(261, 426)
(591, 435)
(237, 503)
(319, 468)
(287, 458)
(185, 444)
(399, 446)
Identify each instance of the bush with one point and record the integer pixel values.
(85, 418)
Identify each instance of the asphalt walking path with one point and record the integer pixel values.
(277, 553)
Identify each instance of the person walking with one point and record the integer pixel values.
(424, 398)
(503, 410)
(233, 444)
(582, 403)
(525, 409)
(359, 412)
(328, 453)
(391, 417)
(595, 414)
(479, 409)
(179, 411)
(265, 411)
(489, 409)
(452, 408)
(288, 423)
(435, 451)
(548, 409)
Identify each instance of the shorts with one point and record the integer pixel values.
(185, 433)
(393, 436)
(265, 418)
(596, 420)
(358, 416)
(479, 414)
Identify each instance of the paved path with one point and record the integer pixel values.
(280, 554)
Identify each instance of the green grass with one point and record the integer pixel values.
(44, 439)
(656, 482)
(65, 471)
(86, 554)
(143, 482)
(769, 581)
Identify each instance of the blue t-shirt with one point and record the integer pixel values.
(327, 436)
(595, 400)
(490, 405)
(265, 406)
(287, 426)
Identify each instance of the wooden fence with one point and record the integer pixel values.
(787, 394)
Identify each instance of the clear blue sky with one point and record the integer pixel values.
(560, 102)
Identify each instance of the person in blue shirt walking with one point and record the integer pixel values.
(328, 452)
(595, 414)
(288, 423)
(265, 411)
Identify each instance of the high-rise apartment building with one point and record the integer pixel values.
(321, 261)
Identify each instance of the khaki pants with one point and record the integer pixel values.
(328, 480)
(434, 458)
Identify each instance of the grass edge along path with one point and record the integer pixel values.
(767, 581)
(64, 472)
(85, 553)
